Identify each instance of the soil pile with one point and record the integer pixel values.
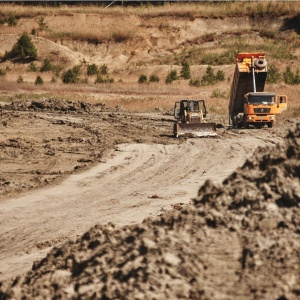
(51, 105)
(239, 240)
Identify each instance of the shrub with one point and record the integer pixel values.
(225, 58)
(143, 79)
(217, 93)
(12, 21)
(47, 65)
(185, 71)
(32, 67)
(154, 78)
(103, 70)
(210, 78)
(220, 76)
(2, 72)
(92, 70)
(195, 82)
(23, 48)
(38, 80)
(273, 75)
(290, 77)
(172, 75)
(20, 79)
(71, 75)
(105, 79)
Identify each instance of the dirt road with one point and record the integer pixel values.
(131, 182)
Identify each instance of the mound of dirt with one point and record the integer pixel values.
(49, 104)
(237, 241)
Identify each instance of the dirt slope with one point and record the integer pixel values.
(243, 233)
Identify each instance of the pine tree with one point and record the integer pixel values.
(23, 48)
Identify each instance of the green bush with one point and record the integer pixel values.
(32, 67)
(71, 75)
(103, 70)
(143, 79)
(12, 21)
(2, 72)
(46, 66)
(185, 71)
(290, 77)
(172, 75)
(92, 70)
(210, 78)
(225, 58)
(220, 76)
(103, 79)
(39, 80)
(195, 82)
(274, 75)
(23, 48)
(154, 78)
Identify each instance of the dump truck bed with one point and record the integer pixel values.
(243, 82)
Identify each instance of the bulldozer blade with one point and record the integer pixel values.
(199, 129)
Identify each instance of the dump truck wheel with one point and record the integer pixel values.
(270, 124)
(245, 124)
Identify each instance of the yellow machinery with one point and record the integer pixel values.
(249, 104)
(190, 119)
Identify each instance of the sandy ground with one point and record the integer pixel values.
(67, 166)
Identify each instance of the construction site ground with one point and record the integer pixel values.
(66, 166)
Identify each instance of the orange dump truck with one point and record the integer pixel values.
(249, 104)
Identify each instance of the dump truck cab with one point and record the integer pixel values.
(260, 108)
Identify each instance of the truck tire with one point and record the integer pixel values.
(270, 124)
(260, 63)
(245, 124)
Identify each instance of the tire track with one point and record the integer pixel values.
(133, 182)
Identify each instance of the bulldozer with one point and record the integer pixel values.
(190, 118)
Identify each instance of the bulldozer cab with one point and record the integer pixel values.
(189, 106)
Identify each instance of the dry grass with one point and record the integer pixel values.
(182, 10)
(141, 98)
(132, 97)
(136, 97)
